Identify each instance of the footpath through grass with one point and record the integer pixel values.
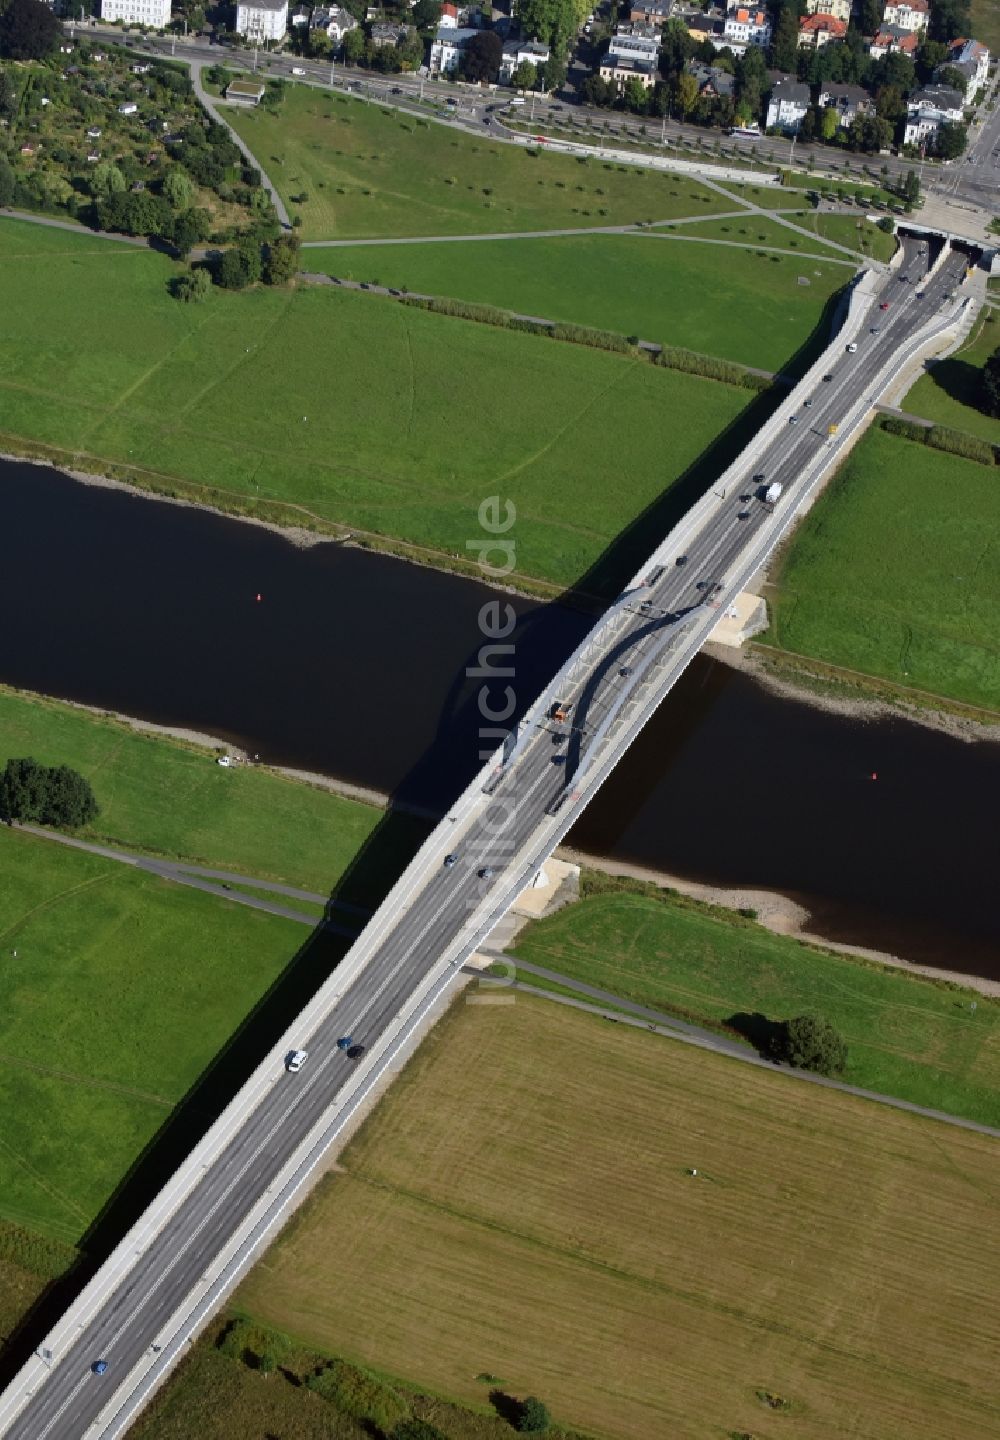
(162, 797)
(116, 990)
(429, 414)
(907, 1037)
(895, 572)
(746, 309)
(368, 170)
(524, 1195)
(951, 391)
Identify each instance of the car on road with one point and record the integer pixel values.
(295, 1060)
(355, 1052)
(646, 606)
(852, 349)
(297, 70)
(450, 860)
(808, 402)
(743, 515)
(793, 419)
(99, 1367)
(874, 330)
(828, 378)
(559, 759)
(884, 305)
(486, 873)
(681, 560)
(345, 1042)
(904, 279)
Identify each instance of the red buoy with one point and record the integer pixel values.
(874, 772)
(258, 602)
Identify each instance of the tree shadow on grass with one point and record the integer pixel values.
(959, 380)
(764, 1034)
(544, 638)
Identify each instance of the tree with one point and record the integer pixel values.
(29, 30)
(8, 182)
(554, 22)
(635, 96)
(810, 1043)
(552, 73)
(869, 16)
(267, 1363)
(949, 19)
(9, 99)
(598, 92)
(676, 47)
(229, 272)
(354, 46)
(931, 54)
(190, 228)
(889, 103)
(525, 77)
(178, 188)
(911, 188)
(481, 56)
(193, 288)
(951, 76)
(106, 179)
(784, 47)
(685, 94)
(950, 140)
(829, 123)
(45, 795)
(870, 133)
(751, 80)
(534, 1417)
(282, 261)
(426, 14)
(991, 384)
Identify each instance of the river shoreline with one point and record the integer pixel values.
(775, 912)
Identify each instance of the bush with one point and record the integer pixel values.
(693, 363)
(956, 442)
(45, 795)
(810, 1043)
(417, 1429)
(360, 1394)
(534, 1418)
(193, 288)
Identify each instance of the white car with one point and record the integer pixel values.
(852, 349)
(295, 1061)
(297, 70)
(225, 761)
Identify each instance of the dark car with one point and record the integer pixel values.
(449, 861)
(625, 671)
(828, 378)
(485, 873)
(345, 1042)
(99, 1367)
(743, 515)
(355, 1052)
(681, 560)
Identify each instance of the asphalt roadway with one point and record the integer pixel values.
(642, 632)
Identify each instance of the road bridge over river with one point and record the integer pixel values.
(184, 1255)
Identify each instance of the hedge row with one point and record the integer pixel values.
(940, 437)
(670, 356)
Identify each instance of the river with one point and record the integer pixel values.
(353, 664)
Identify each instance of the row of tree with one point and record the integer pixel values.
(244, 264)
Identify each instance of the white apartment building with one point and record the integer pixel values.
(515, 52)
(629, 46)
(839, 9)
(928, 110)
(912, 15)
(973, 60)
(447, 46)
(747, 27)
(153, 13)
(261, 20)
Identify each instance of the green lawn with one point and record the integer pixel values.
(950, 392)
(906, 1036)
(742, 309)
(768, 197)
(854, 231)
(429, 414)
(122, 989)
(371, 171)
(986, 24)
(165, 798)
(895, 572)
(753, 230)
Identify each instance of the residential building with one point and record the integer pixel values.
(893, 40)
(386, 36)
(517, 52)
(818, 30)
(649, 12)
(300, 17)
(153, 13)
(928, 110)
(744, 26)
(839, 9)
(446, 48)
(911, 15)
(261, 20)
(618, 70)
(626, 45)
(335, 21)
(712, 81)
(848, 101)
(449, 17)
(707, 26)
(973, 61)
(787, 104)
(128, 107)
(245, 92)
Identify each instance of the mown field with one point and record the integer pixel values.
(950, 392)
(856, 233)
(429, 414)
(986, 24)
(524, 1197)
(116, 990)
(162, 797)
(895, 572)
(746, 310)
(906, 1036)
(369, 170)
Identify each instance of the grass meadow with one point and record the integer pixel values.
(746, 309)
(369, 170)
(339, 407)
(906, 1036)
(894, 572)
(162, 797)
(524, 1196)
(950, 392)
(122, 989)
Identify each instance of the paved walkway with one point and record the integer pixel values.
(140, 241)
(619, 1011)
(209, 103)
